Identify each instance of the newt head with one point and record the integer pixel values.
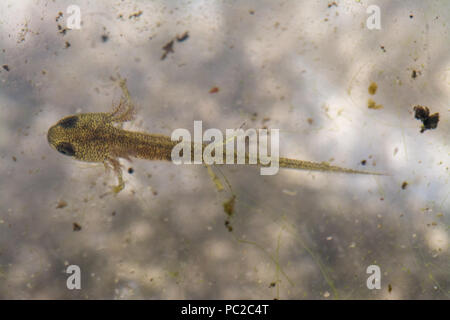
(82, 136)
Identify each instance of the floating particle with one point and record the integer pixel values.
(168, 48)
(332, 4)
(289, 192)
(135, 15)
(404, 185)
(373, 105)
(214, 90)
(183, 37)
(62, 30)
(228, 206)
(61, 204)
(59, 16)
(6, 67)
(415, 73)
(373, 88)
(428, 121)
(76, 226)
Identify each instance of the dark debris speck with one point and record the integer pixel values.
(183, 37)
(428, 121)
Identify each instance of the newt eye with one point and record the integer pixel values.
(68, 122)
(66, 149)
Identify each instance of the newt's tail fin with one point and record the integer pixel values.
(316, 166)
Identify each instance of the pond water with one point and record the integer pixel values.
(337, 90)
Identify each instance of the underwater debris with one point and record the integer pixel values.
(373, 105)
(61, 204)
(428, 121)
(228, 207)
(214, 90)
(136, 14)
(62, 30)
(59, 16)
(373, 88)
(332, 4)
(76, 227)
(415, 73)
(183, 37)
(168, 48)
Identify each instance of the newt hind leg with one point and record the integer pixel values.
(115, 164)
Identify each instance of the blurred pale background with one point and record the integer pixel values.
(301, 66)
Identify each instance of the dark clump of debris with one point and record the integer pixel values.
(228, 207)
(168, 47)
(62, 30)
(183, 37)
(423, 114)
(76, 227)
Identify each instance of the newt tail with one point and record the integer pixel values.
(319, 166)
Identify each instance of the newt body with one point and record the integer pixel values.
(98, 137)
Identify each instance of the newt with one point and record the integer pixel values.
(99, 137)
